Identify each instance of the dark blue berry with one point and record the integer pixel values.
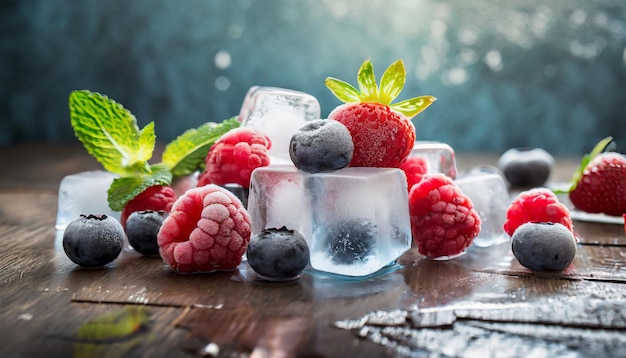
(526, 167)
(543, 246)
(320, 146)
(278, 254)
(349, 241)
(93, 240)
(142, 228)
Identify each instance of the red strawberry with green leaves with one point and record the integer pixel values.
(382, 132)
(599, 185)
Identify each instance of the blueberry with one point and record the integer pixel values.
(278, 254)
(543, 246)
(526, 167)
(142, 228)
(349, 241)
(320, 146)
(93, 240)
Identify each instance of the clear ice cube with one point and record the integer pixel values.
(489, 194)
(278, 113)
(359, 219)
(439, 157)
(84, 193)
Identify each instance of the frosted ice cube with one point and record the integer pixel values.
(84, 193)
(274, 199)
(359, 219)
(278, 113)
(439, 157)
(489, 194)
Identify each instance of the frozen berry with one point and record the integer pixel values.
(208, 229)
(278, 254)
(526, 167)
(93, 240)
(234, 156)
(543, 246)
(348, 241)
(443, 219)
(414, 168)
(320, 146)
(154, 198)
(536, 205)
(142, 228)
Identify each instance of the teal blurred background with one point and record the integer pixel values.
(506, 72)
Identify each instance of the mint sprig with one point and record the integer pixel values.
(109, 132)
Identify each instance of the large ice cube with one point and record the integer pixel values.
(84, 193)
(439, 157)
(278, 113)
(489, 194)
(359, 219)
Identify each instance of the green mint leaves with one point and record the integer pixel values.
(391, 85)
(109, 132)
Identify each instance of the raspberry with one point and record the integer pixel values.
(208, 229)
(536, 205)
(443, 219)
(414, 168)
(234, 156)
(155, 198)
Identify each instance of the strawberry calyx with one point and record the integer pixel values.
(391, 84)
(587, 158)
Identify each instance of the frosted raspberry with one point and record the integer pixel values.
(155, 198)
(234, 156)
(414, 168)
(536, 205)
(443, 219)
(208, 229)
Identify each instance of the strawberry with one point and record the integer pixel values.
(599, 185)
(155, 198)
(208, 229)
(382, 133)
(234, 156)
(443, 219)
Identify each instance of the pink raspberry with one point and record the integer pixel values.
(414, 168)
(155, 198)
(234, 156)
(536, 205)
(208, 229)
(443, 219)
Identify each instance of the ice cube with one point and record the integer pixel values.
(489, 194)
(84, 193)
(439, 157)
(359, 219)
(278, 113)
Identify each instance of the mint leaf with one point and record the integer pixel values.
(187, 153)
(411, 107)
(109, 132)
(392, 82)
(124, 189)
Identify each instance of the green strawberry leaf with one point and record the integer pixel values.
(125, 189)
(109, 132)
(599, 148)
(411, 107)
(186, 154)
(392, 82)
(367, 82)
(343, 90)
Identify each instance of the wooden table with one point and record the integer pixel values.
(480, 304)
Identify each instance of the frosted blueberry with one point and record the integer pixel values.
(142, 228)
(93, 240)
(321, 145)
(543, 246)
(526, 167)
(278, 254)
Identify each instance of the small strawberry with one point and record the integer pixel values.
(382, 133)
(208, 229)
(414, 168)
(599, 185)
(155, 198)
(234, 156)
(443, 219)
(536, 205)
